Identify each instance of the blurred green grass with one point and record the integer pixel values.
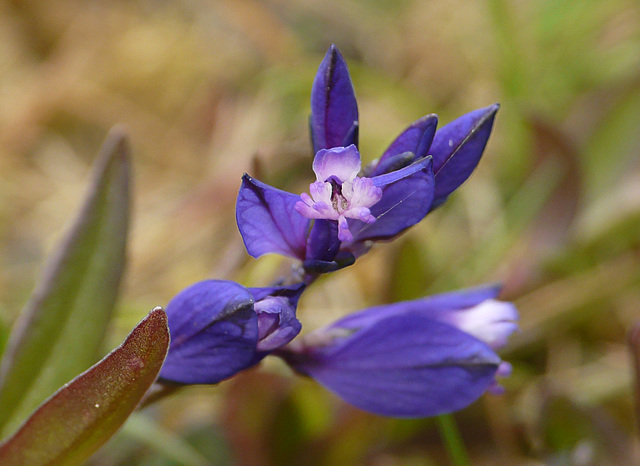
(210, 90)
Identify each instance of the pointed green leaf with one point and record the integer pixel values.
(86, 412)
(61, 329)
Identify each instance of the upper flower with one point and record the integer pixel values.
(411, 359)
(347, 210)
(351, 209)
(456, 148)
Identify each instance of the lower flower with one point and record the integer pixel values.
(412, 359)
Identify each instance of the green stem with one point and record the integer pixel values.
(452, 439)
(158, 392)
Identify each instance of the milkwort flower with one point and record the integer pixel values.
(219, 328)
(411, 359)
(350, 209)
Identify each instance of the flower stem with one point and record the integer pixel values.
(452, 439)
(158, 392)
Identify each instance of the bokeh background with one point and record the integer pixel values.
(211, 89)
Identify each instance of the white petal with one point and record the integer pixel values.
(491, 321)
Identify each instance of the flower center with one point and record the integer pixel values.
(338, 193)
(338, 201)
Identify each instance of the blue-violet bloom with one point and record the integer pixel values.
(347, 209)
(456, 148)
(411, 359)
(219, 328)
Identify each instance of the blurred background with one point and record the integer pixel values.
(211, 89)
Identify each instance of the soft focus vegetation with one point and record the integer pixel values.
(209, 90)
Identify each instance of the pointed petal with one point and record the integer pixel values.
(214, 333)
(404, 203)
(323, 243)
(388, 178)
(435, 307)
(457, 148)
(403, 366)
(334, 110)
(416, 138)
(390, 164)
(474, 311)
(268, 221)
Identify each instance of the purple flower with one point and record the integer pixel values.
(219, 328)
(456, 148)
(411, 359)
(345, 210)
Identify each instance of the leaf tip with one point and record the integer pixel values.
(116, 144)
(158, 317)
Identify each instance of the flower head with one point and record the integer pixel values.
(219, 328)
(410, 359)
(346, 210)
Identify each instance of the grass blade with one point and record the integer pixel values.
(61, 329)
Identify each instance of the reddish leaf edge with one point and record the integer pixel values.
(86, 424)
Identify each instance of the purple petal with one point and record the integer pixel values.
(277, 323)
(435, 307)
(284, 325)
(474, 311)
(403, 366)
(323, 243)
(390, 164)
(268, 221)
(388, 178)
(404, 203)
(214, 333)
(340, 162)
(416, 139)
(334, 110)
(457, 148)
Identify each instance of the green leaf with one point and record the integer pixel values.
(86, 412)
(61, 330)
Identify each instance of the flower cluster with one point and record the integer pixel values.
(409, 359)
